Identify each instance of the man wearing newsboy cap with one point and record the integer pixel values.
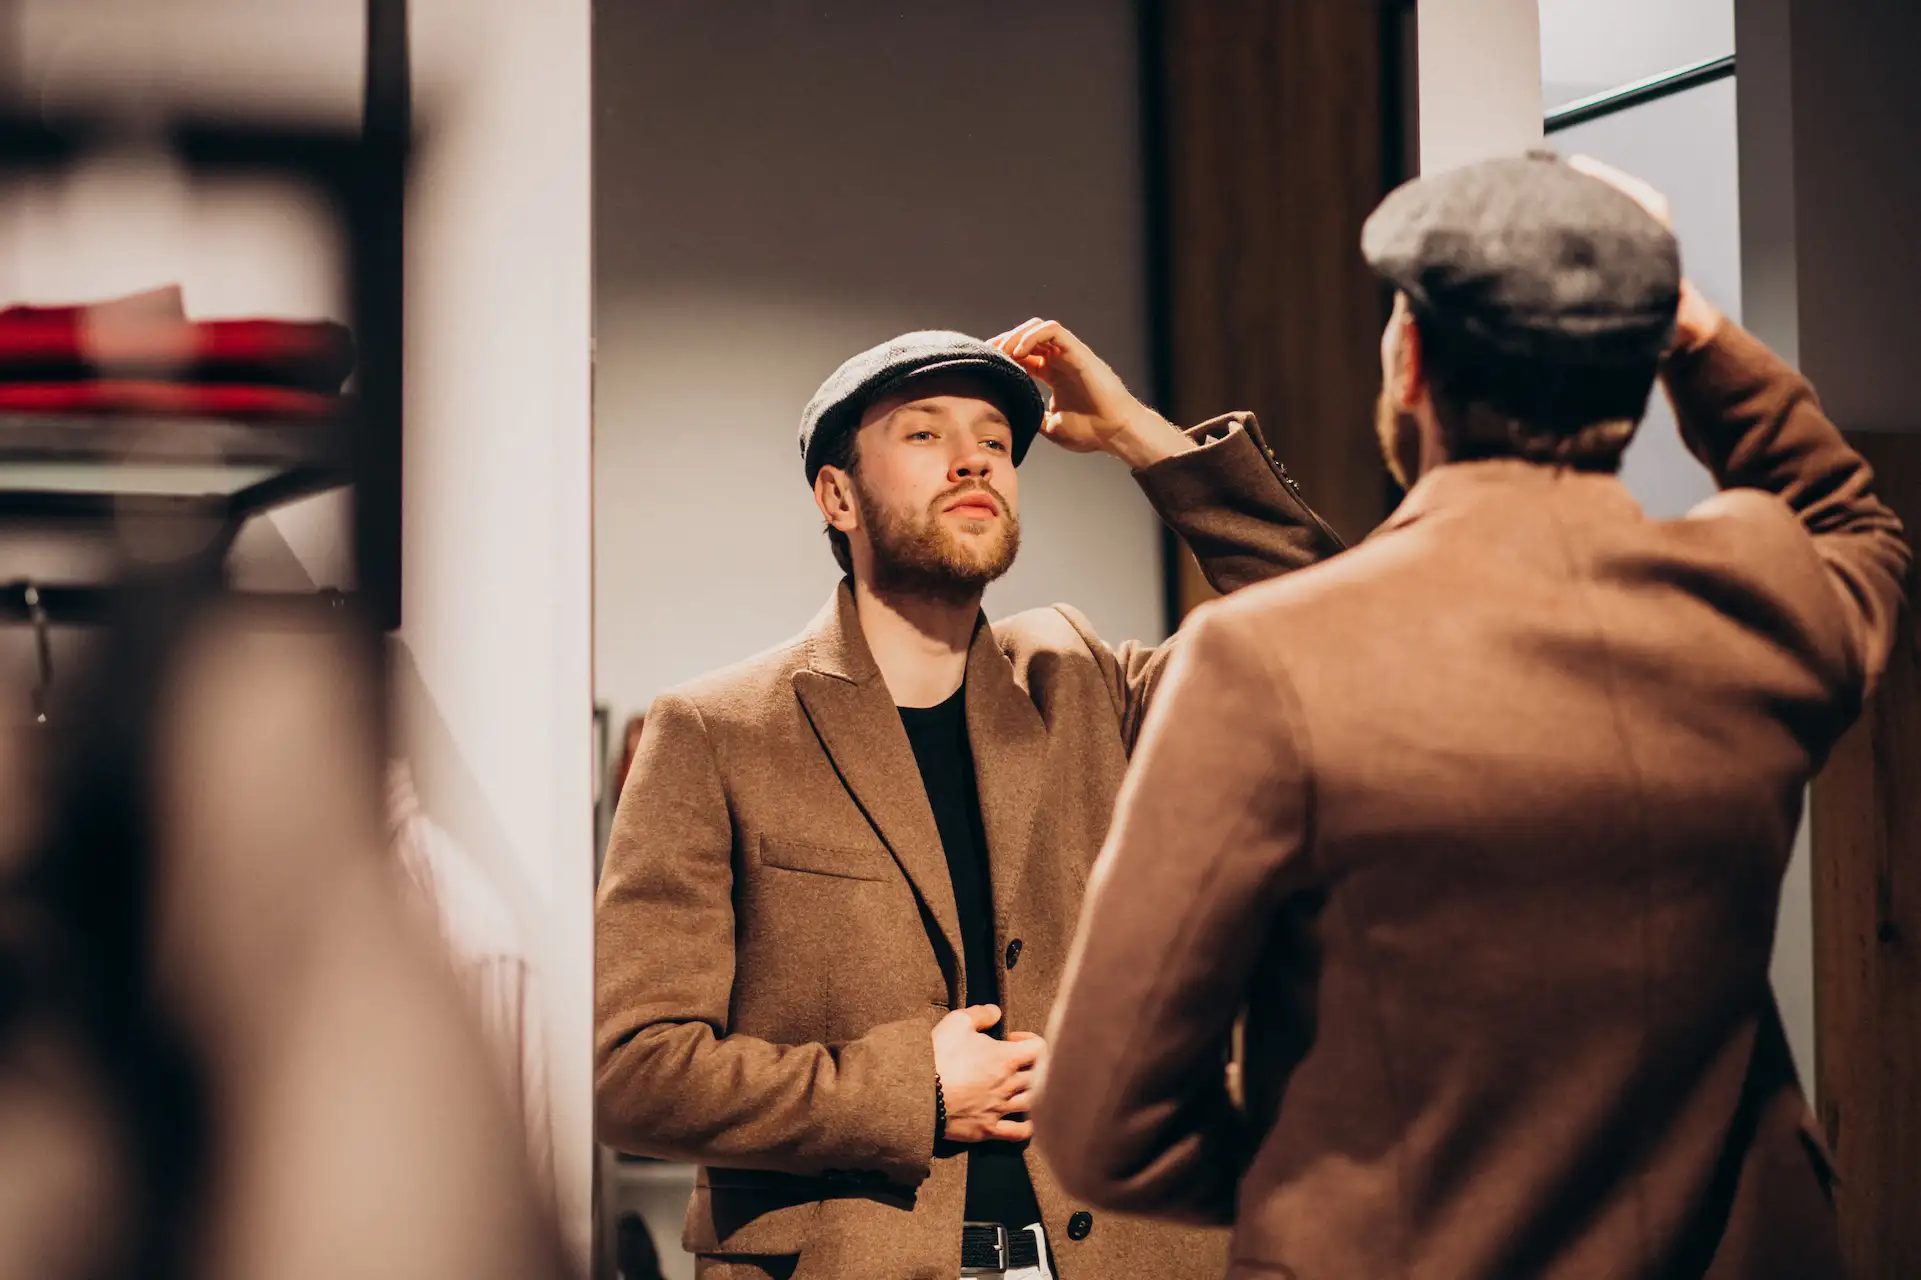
(843, 874)
(1492, 871)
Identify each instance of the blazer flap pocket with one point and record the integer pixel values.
(759, 1219)
(850, 862)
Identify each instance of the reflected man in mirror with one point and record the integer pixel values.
(843, 875)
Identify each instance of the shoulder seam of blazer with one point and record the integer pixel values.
(1084, 631)
(713, 753)
(1294, 711)
(1749, 507)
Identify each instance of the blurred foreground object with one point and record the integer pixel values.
(226, 1046)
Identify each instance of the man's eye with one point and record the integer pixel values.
(922, 435)
(997, 445)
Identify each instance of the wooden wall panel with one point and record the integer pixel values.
(1272, 121)
(1866, 820)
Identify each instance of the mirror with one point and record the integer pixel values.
(772, 197)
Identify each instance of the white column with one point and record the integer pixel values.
(1479, 70)
(494, 670)
(1831, 183)
(1770, 308)
(1830, 188)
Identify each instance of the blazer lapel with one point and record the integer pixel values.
(1010, 748)
(859, 726)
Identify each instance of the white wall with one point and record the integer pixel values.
(773, 196)
(493, 666)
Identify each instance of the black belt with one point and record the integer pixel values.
(988, 1246)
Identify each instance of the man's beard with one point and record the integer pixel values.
(917, 555)
(1400, 437)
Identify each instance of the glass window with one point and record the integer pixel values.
(1591, 46)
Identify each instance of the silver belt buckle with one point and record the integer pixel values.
(1000, 1249)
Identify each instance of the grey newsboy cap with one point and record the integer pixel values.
(1559, 289)
(836, 408)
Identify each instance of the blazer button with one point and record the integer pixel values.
(1013, 953)
(1080, 1226)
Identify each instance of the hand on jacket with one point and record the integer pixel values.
(985, 1081)
(1092, 409)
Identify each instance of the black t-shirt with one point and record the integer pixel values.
(998, 1188)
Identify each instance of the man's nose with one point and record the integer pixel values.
(973, 463)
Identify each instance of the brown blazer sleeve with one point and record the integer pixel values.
(670, 1081)
(1233, 503)
(1208, 838)
(1755, 423)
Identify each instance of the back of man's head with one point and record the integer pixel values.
(1544, 299)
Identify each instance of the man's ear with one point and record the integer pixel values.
(834, 495)
(1409, 388)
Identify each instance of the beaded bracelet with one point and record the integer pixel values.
(940, 1109)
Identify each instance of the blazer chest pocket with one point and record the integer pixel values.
(845, 862)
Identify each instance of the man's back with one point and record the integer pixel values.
(1558, 763)
(1523, 775)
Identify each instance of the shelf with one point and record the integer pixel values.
(83, 604)
(57, 466)
(92, 603)
(51, 437)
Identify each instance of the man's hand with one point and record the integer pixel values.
(1640, 192)
(984, 1081)
(1697, 320)
(1038, 1074)
(1092, 409)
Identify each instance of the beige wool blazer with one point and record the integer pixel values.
(777, 934)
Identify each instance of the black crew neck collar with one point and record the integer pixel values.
(946, 705)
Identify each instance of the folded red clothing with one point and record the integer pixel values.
(148, 337)
(174, 399)
(163, 302)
